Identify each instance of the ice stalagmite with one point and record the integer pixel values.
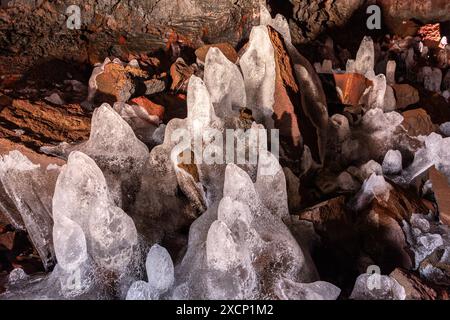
(82, 196)
(26, 200)
(244, 236)
(377, 287)
(225, 83)
(117, 151)
(160, 274)
(258, 68)
(365, 57)
(280, 23)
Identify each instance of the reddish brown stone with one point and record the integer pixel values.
(441, 190)
(405, 95)
(43, 123)
(287, 100)
(7, 240)
(352, 86)
(152, 108)
(180, 73)
(418, 122)
(226, 49)
(116, 83)
(415, 288)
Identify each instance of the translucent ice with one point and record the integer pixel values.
(445, 129)
(160, 274)
(377, 92)
(392, 163)
(422, 242)
(224, 82)
(159, 266)
(390, 72)
(319, 290)
(82, 203)
(117, 151)
(280, 23)
(27, 191)
(377, 287)
(365, 57)
(258, 68)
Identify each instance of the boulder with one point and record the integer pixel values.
(441, 190)
(37, 123)
(418, 122)
(406, 95)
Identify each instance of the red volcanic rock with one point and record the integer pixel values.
(144, 26)
(405, 95)
(287, 103)
(180, 73)
(152, 108)
(7, 240)
(351, 87)
(226, 49)
(417, 122)
(431, 35)
(441, 191)
(399, 12)
(415, 288)
(35, 124)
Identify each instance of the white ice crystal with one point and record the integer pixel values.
(365, 57)
(392, 163)
(390, 72)
(224, 82)
(116, 150)
(258, 68)
(159, 267)
(436, 151)
(82, 207)
(279, 23)
(319, 290)
(377, 287)
(445, 129)
(26, 191)
(160, 274)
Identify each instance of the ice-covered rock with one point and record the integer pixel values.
(435, 152)
(377, 287)
(392, 163)
(374, 187)
(422, 242)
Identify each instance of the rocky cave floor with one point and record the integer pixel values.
(364, 120)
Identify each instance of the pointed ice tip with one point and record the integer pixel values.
(268, 164)
(236, 179)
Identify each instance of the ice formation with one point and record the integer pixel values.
(377, 287)
(27, 193)
(436, 151)
(392, 163)
(224, 82)
(419, 235)
(365, 57)
(160, 274)
(258, 68)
